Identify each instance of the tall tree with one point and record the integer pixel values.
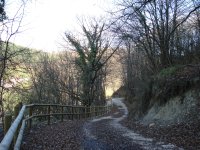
(93, 54)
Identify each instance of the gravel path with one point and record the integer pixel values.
(106, 133)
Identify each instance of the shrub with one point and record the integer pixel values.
(166, 72)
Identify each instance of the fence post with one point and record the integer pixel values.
(90, 111)
(98, 111)
(16, 112)
(30, 114)
(48, 121)
(106, 109)
(62, 114)
(79, 115)
(72, 112)
(95, 111)
(85, 110)
(7, 122)
(17, 109)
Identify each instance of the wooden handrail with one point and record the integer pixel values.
(73, 111)
(6, 142)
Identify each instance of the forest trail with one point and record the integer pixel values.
(107, 133)
(102, 133)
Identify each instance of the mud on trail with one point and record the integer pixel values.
(102, 133)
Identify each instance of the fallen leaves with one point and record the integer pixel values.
(184, 135)
(65, 135)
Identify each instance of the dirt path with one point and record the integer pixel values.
(106, 133)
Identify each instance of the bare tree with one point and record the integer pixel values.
(9, 27)
(153, 26)
(55, 79)
(156, 34)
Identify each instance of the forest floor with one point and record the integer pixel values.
(183, 135)
(103, 133)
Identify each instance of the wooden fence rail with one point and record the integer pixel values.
(27, 113)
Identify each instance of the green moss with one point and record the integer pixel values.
(166, 72)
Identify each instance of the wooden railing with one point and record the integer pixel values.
(28, 113)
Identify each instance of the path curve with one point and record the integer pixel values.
(106, 133)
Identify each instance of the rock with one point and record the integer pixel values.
(151, 125)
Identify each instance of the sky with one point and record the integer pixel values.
(45, 21)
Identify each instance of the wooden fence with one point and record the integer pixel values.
(24, 118)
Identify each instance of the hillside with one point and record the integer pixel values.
(169, 107)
